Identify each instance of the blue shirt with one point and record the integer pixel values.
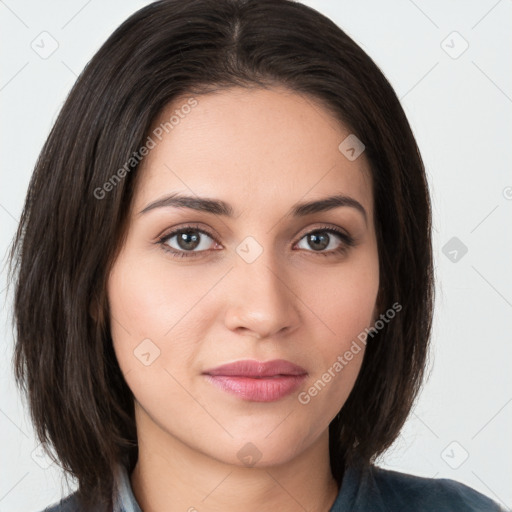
(371, 490)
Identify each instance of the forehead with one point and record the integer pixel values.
(251, 147)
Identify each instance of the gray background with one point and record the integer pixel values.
(459, 103)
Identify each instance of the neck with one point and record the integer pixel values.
(171, 476)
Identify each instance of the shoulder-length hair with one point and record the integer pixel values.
(71, 228)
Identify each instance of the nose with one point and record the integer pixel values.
(261, 301)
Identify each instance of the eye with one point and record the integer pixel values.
(186, 241)
(322, 238)
(190, 241)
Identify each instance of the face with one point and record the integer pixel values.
(198, 286)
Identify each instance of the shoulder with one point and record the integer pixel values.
(72, 504)
(401, 491)
(121, 499)
(65, 505)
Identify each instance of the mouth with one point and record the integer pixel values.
(257, 381)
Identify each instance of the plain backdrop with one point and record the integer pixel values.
(449, 63)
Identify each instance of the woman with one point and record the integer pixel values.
(225, 280)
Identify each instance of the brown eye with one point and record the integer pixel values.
(325, 238)
(318, 241)
(187, 241)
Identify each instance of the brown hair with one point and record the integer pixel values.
(68, 238)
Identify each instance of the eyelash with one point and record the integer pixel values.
(347, 241)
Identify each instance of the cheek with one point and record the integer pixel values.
(150, 301)
(154, 314)
(345, 305)
(344, 299)
(138, 297)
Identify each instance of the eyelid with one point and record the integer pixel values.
(172, 232)
(326, 227)
(175, 229)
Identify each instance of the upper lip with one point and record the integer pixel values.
(251, 368)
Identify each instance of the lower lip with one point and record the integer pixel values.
(266, 389)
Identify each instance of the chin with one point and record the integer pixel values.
(263, 448)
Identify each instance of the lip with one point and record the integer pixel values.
(257, 381)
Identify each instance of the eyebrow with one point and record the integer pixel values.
(219, 207)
